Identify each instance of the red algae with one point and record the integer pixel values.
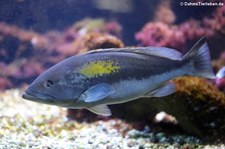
(25, 54)
(5, 83)
(166, 33)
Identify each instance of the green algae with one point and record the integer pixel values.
(197, 105)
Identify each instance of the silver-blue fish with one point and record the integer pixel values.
(221, 73)
(98, 78)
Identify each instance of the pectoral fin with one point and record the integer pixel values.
(165, 90)
(100, 110)
(97, 92)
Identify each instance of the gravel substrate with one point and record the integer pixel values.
(25, 124)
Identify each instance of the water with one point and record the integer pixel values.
(34, 35)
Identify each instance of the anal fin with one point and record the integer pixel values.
(100, 110)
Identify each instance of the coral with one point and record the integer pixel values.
(161, 34)
(113, 28)
(21, 68)
(216, 22)
(178, 36)
(5, 83)
(25, 54)
(60, 39)
(96, 25)
(91, 41)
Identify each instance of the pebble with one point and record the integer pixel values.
(25, 124)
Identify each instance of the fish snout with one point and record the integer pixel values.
(26, 96)
(37, 97)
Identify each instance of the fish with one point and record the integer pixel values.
(98, 78)
(221, 73)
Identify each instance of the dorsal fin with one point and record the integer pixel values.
(153, 51)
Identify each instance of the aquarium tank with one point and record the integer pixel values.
(186, 112)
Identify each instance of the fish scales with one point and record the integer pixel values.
(96, 79)
(131, 66)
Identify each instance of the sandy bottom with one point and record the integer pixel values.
(24, 124)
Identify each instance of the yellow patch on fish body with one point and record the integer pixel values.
(99, 68)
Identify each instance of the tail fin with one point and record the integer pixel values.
(198, 59)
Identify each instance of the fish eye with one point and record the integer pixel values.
(48, 84)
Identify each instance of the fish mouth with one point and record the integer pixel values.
(37, 97)
(25, 95)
